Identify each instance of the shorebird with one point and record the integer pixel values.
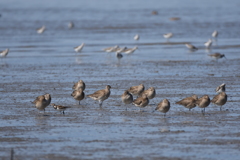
(163, 106)
(136, 37)
(150, 93)
(167, 36)
(48, 98)
(78, 94)
(215, 34)
(4, 53)
(208, 43)
(189, 102)
(130, 50)
(119, 55)
(203, 102)
(220, 99)
(191, 47)
(111, 49)
(154, 13)
(79, 48)
(174, 18)
(120, 50)
(127, 98)
(70, 25)
(101, 95)
(136, 90)
(78, 85)
(59, 107)
(217, 55)
(41, 102)
(141, 102)
(221, 88)
(41, 30)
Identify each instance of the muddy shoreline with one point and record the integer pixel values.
(47, 63)
(86, 131)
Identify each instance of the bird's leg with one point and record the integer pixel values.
(126, 108)
(79, 103)
(63, 112)
(220, 108)
(100, 103)
(164, 114)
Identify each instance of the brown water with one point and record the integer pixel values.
(39, 64)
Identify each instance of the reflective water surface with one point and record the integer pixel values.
(47, 63)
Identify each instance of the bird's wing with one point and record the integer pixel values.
(214, 100)
(97, 94)
(38, 98)
(138, 101)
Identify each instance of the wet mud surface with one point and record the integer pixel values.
(39, 64)
(87, 131)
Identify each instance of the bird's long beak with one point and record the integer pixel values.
(225, 57)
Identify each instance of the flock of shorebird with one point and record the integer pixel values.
(207, 44)
(142, 100)
(143, 96)
(129, 51)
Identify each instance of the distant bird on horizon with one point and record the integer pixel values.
(120, 50)
(208, 44)
(4, 53)
(130, 50)
(70, 25)
(79, 48)
(136, 37)
(191, 47)
(215, 34)
(111, 49)
(154, 12)
(119, 55)
(41, 30)
(175, 18)
(168, 35)
(217, 55)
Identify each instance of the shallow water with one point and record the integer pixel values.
(47, 63)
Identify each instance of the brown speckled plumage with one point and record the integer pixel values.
(101, 95)
(220, 99)
(189, 102)
(163, 106)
